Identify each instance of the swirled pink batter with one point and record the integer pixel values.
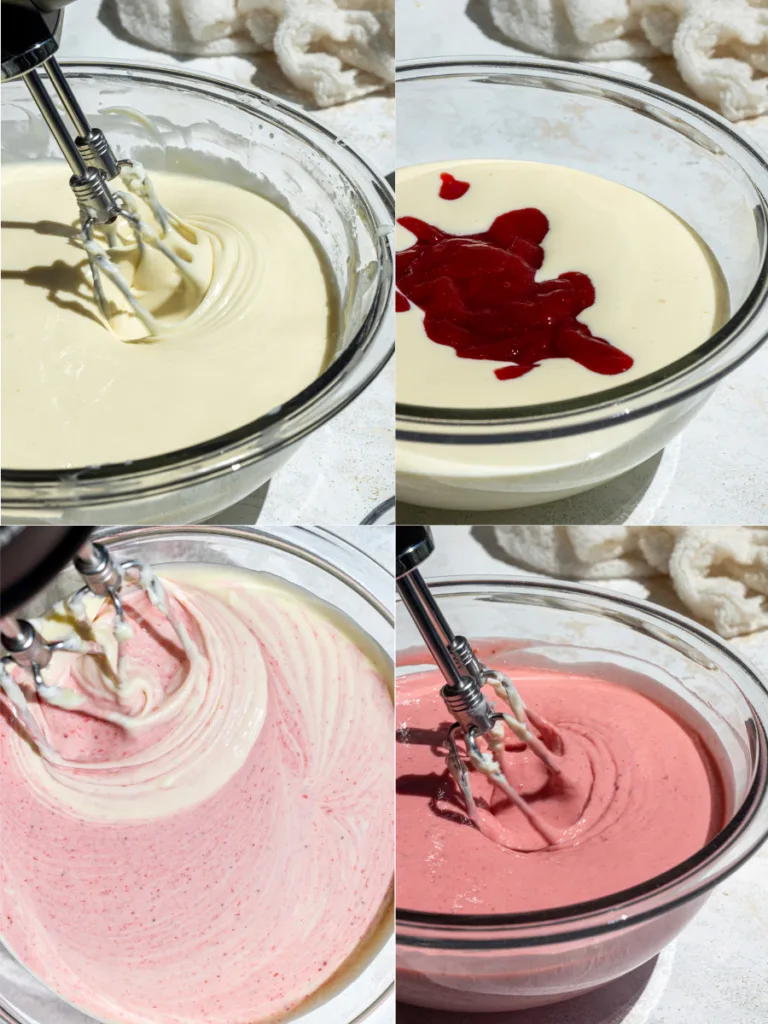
(222, 858)
(639, 794)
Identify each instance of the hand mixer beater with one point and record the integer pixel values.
(479, 728)
(30, 38)
(30, 557)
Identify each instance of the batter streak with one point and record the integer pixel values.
(249, 328)
(218, 861)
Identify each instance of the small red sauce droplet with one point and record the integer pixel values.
(402, 305)
(480, 296)
(452, 188)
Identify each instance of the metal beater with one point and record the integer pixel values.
(465, 676)
(30, 557)
(30, 37)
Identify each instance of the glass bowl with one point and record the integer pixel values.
(335, 571)
(642, 136)
(203, 126)
(383, 514)
(509, 962)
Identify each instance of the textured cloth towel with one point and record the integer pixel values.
(720, 574)
(337, 50)
(720, 46)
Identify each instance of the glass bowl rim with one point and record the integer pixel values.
(653, 392)
(379, 512)
(277, 537)
(136, 475)
(444, 928)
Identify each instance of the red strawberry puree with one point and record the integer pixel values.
(480, 295)
(639, 795)
(219, 860)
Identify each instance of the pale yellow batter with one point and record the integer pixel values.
(660, 293)
(250, 329)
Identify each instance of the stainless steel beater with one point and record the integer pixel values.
(465, 676)
(30, 557)
(30, 37)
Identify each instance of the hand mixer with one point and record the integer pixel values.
(30, 558)
(30, 38)
(465, 676)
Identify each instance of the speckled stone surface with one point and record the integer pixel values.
(715, 971)
(377, 541)
(347, 467)
(717, 471)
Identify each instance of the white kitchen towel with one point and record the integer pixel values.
(720, 574)
(337, 50)
(720, 46)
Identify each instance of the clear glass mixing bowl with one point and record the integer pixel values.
(383, 515)
(208, 127)
(642, 136)
(334, 570)
(508, 962)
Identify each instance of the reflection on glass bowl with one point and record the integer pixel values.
(199, 124)
(498, 962)
(639, 135)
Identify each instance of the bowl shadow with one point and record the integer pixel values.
(245, 512)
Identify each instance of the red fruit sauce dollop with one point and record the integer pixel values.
(480, 296)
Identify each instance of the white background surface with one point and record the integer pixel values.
(716, 971)
(717, 470)
(347, 467)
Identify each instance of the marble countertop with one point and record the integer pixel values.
(715, 971)
(716, 471)
(346, 468)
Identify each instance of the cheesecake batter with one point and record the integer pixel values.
(247, 329)
(641, 281)
(223, 855)
(639, 793)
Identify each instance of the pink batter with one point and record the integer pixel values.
(220, 862)
(639, 793)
